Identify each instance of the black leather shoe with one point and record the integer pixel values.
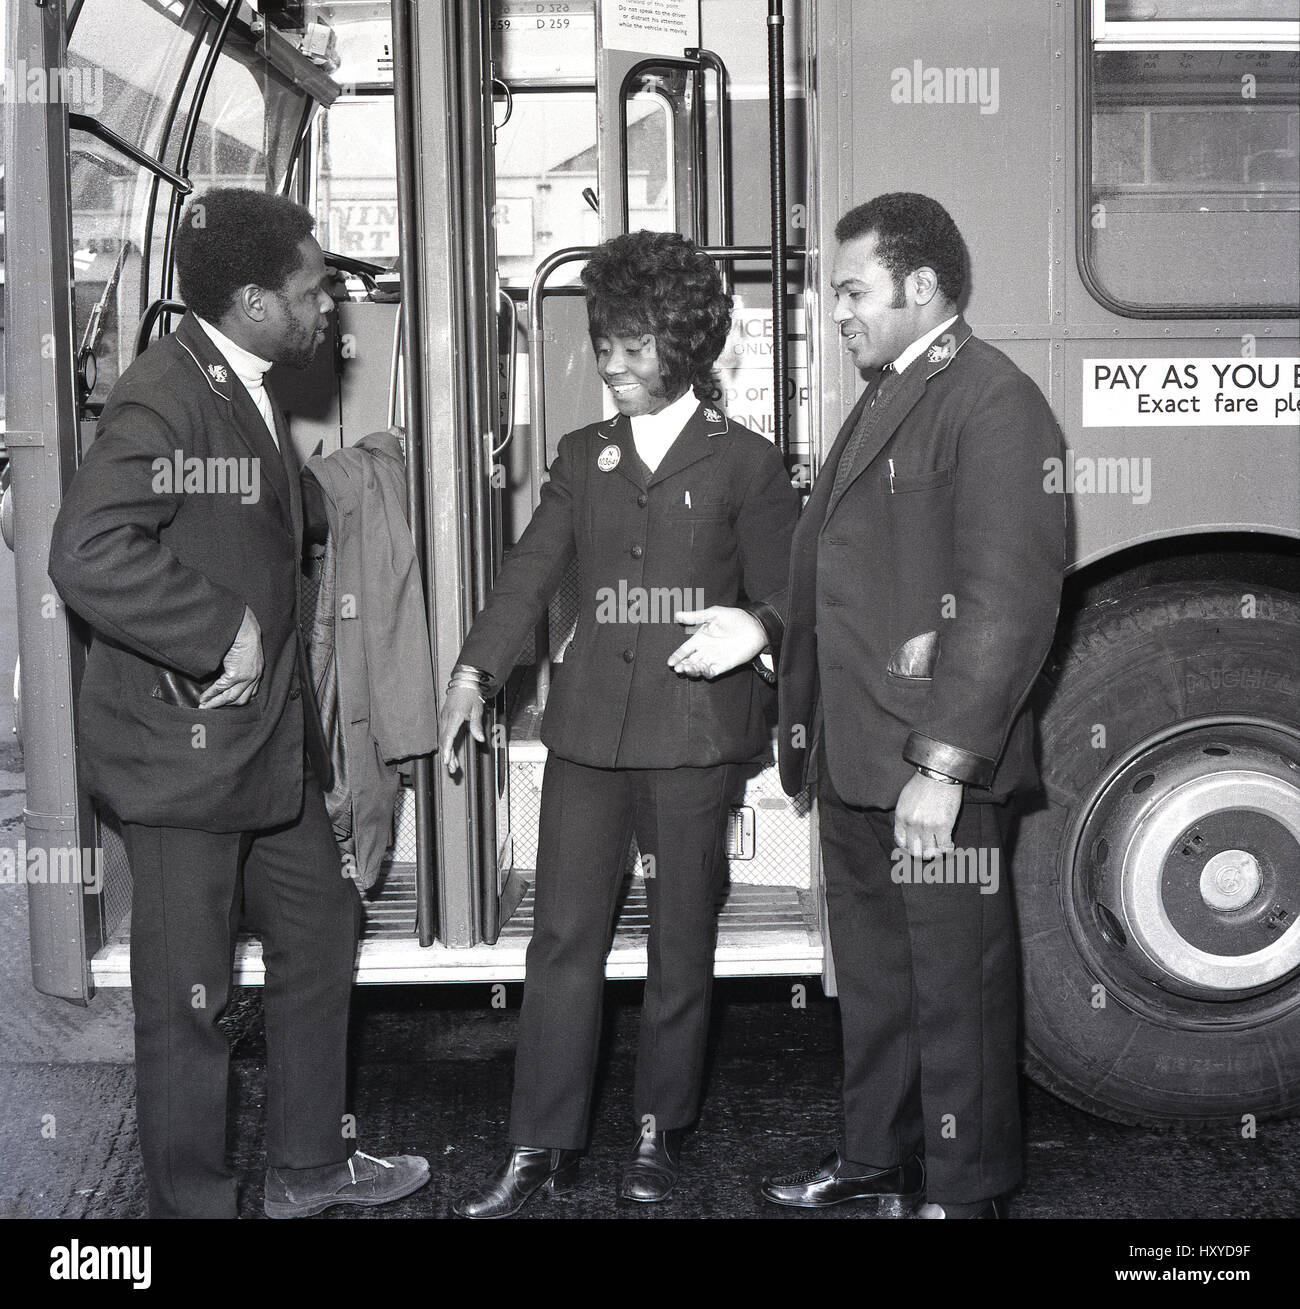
(652, 1170)
(526, 1170)
(982, 1209)
(894, 1191)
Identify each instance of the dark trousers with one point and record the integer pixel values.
(185, 913)
(928, 1000)
(588, 818)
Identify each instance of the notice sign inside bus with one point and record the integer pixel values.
(1228, 392)
(652, 27)
(745, 372)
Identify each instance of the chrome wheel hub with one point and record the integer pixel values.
(1188, 859)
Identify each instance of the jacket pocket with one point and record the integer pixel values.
(907, 483)
(919, 514)
(175, 688)
(915, 659)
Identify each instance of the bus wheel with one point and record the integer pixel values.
(1158, 888)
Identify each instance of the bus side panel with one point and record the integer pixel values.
(935, 102)
(42, 439)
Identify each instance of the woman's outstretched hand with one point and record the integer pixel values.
(720, 639)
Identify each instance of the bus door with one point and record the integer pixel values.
(449, 322)
(614, 118)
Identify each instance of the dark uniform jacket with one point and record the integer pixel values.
(712, 525)
(162, 573)
(921, 606)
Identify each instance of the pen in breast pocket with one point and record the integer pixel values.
(688, 499)
(891, 477)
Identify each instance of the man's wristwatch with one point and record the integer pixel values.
(936, 777)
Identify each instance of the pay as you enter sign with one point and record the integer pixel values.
(1231, 392)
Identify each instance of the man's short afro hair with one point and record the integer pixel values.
(912, 231)
(230, 238)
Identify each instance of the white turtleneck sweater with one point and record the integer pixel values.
(654, 433)
(249, 368)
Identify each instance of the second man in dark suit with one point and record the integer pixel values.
(924, 582)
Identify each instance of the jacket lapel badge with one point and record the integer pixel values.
(616, 436)
(715, 421)
(943, 349)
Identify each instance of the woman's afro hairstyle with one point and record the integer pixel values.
(230, 238)
(664, 285)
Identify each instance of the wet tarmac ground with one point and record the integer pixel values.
(432, 1074)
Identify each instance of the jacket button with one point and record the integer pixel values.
(295, 693)
(628, 656)
(643, 500)
(637, 552)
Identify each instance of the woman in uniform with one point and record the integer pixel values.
(668, 507)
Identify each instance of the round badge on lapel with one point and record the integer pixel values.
(608, 458)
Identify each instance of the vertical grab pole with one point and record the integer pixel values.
(409, 329)
(776, 128)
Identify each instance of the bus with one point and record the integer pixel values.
(1127, 176)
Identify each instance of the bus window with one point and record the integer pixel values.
(1195, 166)
(143, 62)
(545, 159)
(248, 125)
(651, 162)
(128, 67)
(132, 57)
(355, 178)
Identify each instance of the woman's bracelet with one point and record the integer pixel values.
(474, 679)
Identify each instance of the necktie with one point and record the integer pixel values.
(866, 422)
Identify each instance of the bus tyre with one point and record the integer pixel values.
(1158, 881)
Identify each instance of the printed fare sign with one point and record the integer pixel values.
(1229, 392)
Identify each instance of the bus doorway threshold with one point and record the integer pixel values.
(762, 932)
(768, 917)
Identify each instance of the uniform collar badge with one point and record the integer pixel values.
(608, 458)
(712, 416)
(938, 352)
(218, 373)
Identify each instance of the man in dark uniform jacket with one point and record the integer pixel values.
(924, 584)
(179, 542)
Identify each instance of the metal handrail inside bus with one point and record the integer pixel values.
(512, 312)
(537, 399)
(188, 135)
(776, 165)
(150, 318)
(93, 127)
(640, 69)
(711, 60)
